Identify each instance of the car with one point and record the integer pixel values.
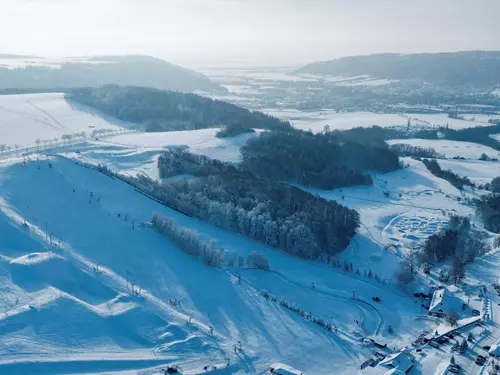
(475, 313)
(480, 360)
(486, 347)
(376, 299)
(171, 370)
(454, 368)
(442, 340)
(450, 335)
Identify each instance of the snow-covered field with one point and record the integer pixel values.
(317, 120)
(400, 210)
(477, 170)
(451, 149)
(138, 152)
(442, 119)
(25, 118)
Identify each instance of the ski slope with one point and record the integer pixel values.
(67, 276)
(84, 288)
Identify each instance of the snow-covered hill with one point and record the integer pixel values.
(67, 276)
(87, 286)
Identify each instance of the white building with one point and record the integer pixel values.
(399, 363)
(495, 350)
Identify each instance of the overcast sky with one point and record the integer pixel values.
(192, 32)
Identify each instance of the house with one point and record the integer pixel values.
(378, 343)
(439, 304)
(399, 363)
(422, 291)
(495, 350)
(282, 369)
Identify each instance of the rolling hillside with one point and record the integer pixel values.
(476, 68)
(26, 72)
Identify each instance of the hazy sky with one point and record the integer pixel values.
(255, 31)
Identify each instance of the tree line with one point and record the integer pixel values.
(271, 212)
(188, 240)
(403, 149)
(159, 110)
(454, 179)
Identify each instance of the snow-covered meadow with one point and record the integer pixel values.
(451, 149)
(28, 117)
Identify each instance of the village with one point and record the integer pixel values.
(467, 338)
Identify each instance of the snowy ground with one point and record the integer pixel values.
(451, 149)
(477, 170)
(82, 277)
(138, 152)
(25, 118)
(66, 288)
(442, 119)
(67, 303)
(317, 120)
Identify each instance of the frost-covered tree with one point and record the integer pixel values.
(257, 260)
(452, 318)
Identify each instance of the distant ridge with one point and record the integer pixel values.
(135, 70)
(476, 68)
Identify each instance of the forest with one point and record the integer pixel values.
(488, 207)
(159, 110)
(273, 213)
(326, 160)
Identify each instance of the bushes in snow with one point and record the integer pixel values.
(403, 149)
(298, 310)
(188, 240)
(257, 260)
(452, 318)
(233, 130)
